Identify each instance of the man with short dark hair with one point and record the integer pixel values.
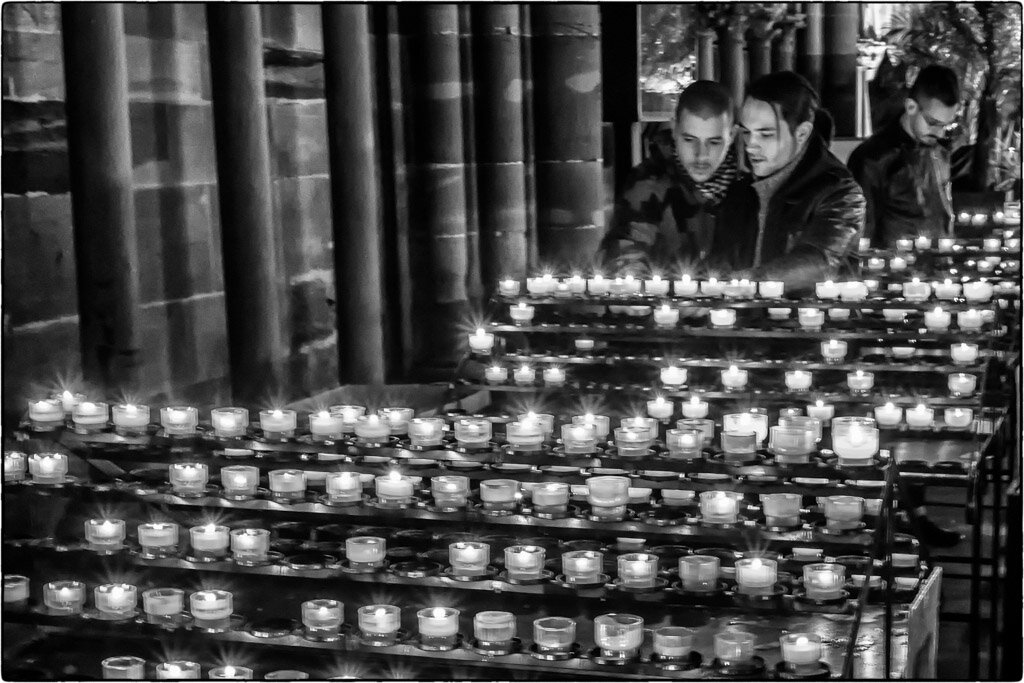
(667, 212)
(904, 168)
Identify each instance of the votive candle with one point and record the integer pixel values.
(48, 468)
(229, 422)
(188, 478)
(179, 420)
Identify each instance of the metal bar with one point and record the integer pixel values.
(974, 636)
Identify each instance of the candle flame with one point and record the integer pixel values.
(229, 670)
(479, 331)
(694, 400)
(801, 641)
(819, 403)
(323, 414)
(277, 414)
(130, 409)
(665, 308)
(438, 613)
(67, 395)
(598, 277)
(394, 475)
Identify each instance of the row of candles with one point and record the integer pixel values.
(617, 635)
(850, 291)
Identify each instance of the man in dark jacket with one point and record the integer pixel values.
(667, 213)
(799, 217)
(904, 168)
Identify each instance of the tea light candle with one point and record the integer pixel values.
(577, 284)
(920, 417)
(349, 415)
(875, 263)
(923, 242)
(801, 651)
(821, 410)
(322, 618)
(499, 494)
(961, 384)
(494, 627)
(250, 546)
(210, 607)
(104, 534)
(546, 421)
(958, 418)
(16, 591)
(372, 429)
(179, 420)
(438, 627)
(991, 244)
(158, 537)
(15, 466)
(343, 487)
(481, 341)
(810, 318)
(853, 291)
(582, 566)
(579, 438)
(237, 673)
(771, 289)
(601, 423)
(843, 512)
(791, 444)
(633, 440)
(903, 352)
(855, 440)
(496, 374)
(525, 435)
(394, 488)
(521, 313)
(365, 552)
(977, 291)
(937, 320)
(229, 422)
(694, 407)
(684, 443)
(1012, 243)
(287, 485)
(656, 286)
(826, 290)
(747, 422)
(428, 431)
(660, 409)
(162, 604)
(618, 635)
(781, 509)
(508, 287)
(48, 468)
(64, 597)
(124, 668)
(553, 377)
(673, 376)
(473, 432)
(666, 316)
(723, 317)
(597, 285)
(711, 287)
(946, 290)
(48, 411)
(450, 491)
(798, 380)
(554, 634)
(90, 414)
(116, 599)
(397, 419)
(550, 496)
(239, 482)
(915, 290)
(524, 375)
(188, 478)
(969, 320)
(524, 562)
(379, 624)
(946, 244)
(888, 415)
(584, 345)
(824, 581)
(698, 573)
(539, 286)
(178, 669)
(326, 425)
(756, 575)
(684, 286)
(860, 382)
(833, 351)
(897, 264)
(209, 541)
(638, 570)
(904, 244)
(733, 378)
(718, 507)
(608, 496)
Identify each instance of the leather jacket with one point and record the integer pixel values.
(907, 186)
(811, 226)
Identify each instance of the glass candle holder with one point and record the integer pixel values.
(469, 558)
(801, 652)
(211, 608)
(494, 628)
(239, 482)
(961, 384)
(673, 376)
(843, 512)
(46, 413)
(978, 291)
(130, 419)
(756, 575)
(481, 341)
(250, 546)
(791, 444)
(496, 374)
(524, 436)
(499, 495)
(524, 562)
(673, 642)
(638, 570)
(608, 496)
(158, 539)
(810, 319)
(970, 320)
(349, 414)
(378, 624)
(163, 604)
(699, 573)
(209, 542)
(521, 313)
(579, 438)
(90, 415)
(619, 635)
(915, 290)
(321, 618)
(666, 316)
(733, 378)
(826, 290)
(860, 382)
(824, 580)
(937, 319)
(48, 468)
(771, 289)
(397, 419)
(426, 431)
(685, 444)
(188, 479)
(394, 488)
(278, 423)
(855, 440)
(920, 417)
(633, 441)
(834, 351)
(124, 668)
(677, 497)
(179, 420)
(723, 317)
(235, 673)
(473, 432)
(365, 552)
(821, 411)
(660, 409)
(439, 627)
(229, 422)
(719, 507)
(554, 634)
(853, 291)
(958, 418)
(372, 430)
(524, 375)
(963, 354)
(747, 422)
(694, 408)
(450, 491)
(798, 380)
(177, 670)
(582, 566)
(324, 425)
(64, 597)
(546, 421)
(343, 487)
(705, 426)
(541, 286)
(16, 591)
(553, 377)
(105, 535)
(711, 287)
(739, 448)
(685, 286)
(287, 486)
(550, 498)
(888, 415)
(601, 424)
(778, 313)
(116, 599)
(781, 509)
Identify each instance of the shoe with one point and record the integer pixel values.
(929, 533)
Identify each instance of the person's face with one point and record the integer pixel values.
(702, 143)
(929, 119)
(769, 143)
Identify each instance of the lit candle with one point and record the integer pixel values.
(781, 509)
(349, 415)
(888, 415)
(394, 488)
(684, 286)
(496, 374)
(438, 627)
(324, 424)
(684, 443)
(499, 494)
(991, 244)
(178, 669)
(123, 668)
(632, 441)
(977, 291)
(553, 377)
(579, 438)
(158, 538)
(250, 546)
(897, 264)
(833, 351)
(209, 541)
(343, 487)
(90, 415)
(695, 408)
(923, 242)
(48, 468)
(229, 422)
(946, 244)
(426, 431)
(800, 651)
(188, 478)
(920, 417)
(961, 384)
(481, 341)
(798, 380)
(525, 435)
(211, 607)
(582, 566)
(666, 316)
(239, 482)
(656, 286)
(673, 376)
(771, 289)
(756, 576)
(545, 420)
(638, 570)
(508, 287)
(69, 401)
(904, 244)
(747, 422)
(450, 492)
(860, 382)
(723, 317)
(824, 581)
(278, 421)
(826, 290)
(179, 420)
(810, 318)
(469, 558)
(116, 599)
(855, 440)
(597, 285)
(937, 320)
(104, 534)
(64, 597)
(619, 635)
(821, 410)
(524, 375)
(372, 429)
(601, 423)
(576, 283)
(379, 624)
(853, 291)
(946, 290)
(15, 466)
(365, 552)
(47, 412)
(718, 507)
(540, 286)
(322, 618)
(521, 313)
(238, 673)
(958, 418)
(524, 562)
(915, 290)
(549, 497)
(969, 320)
(660, 409)
(875, 263)
(733, 378)
(711, 287)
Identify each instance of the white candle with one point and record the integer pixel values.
(524, 435)
(211, 605)
(116, 599)
(903, 352)
(450, 491)
(897, 263)
(946, 244)
(524, 374)
(684, 286)
(798, 380)
(158, 534)
(969, 320)
(369, 550)
(188, 478)
(673, 376)
(397, 419)
(582, 566)
(66, 597)
(90, 414)
(394, 487)
(438, 622)
(920, 416)
(734, 378)
(179, 420)
(228, 422)
(946, 290)
(326, 424)
(958, 418)
(695, 408)
(545, 420)
(239, 480)
(597, 285)
(209, 538)
(860, 381)
(238, 673)
(656, 286)
(550, 494)
(801, 649)
(937, 320)
(839, 314)
(810, 318)
(579, 438)
(349, 415)
(577, 284)
(746, 422)
(553, 377)
(46, 410)
(711, 287)
(854, 440)
(496, 374)
(521, 313)
(372, 428)
(379, 620)
(250, 545)
(853, 291)
(888, 415)
(756, 575)
(508, 287)
(618, 632)
(48, 468)
(960, 383)
(876, 263)
(15, 466)
(904, 244)
(979, 290)
(723, 317)
(923, 242)
(991, 244)
(718, 507)
(177, 670)
(915, 290)
(601, 423)
(666, 316)
(104, 534)
(771, 289)
(472, 431)
(481, 341)
(583, 344)
(821, 410)
(660, 409)
(426, 431)
(843, 512)
(540, 286)
(322, 615)
(826, 290)
(69, 401)
(344, 487)
(469, 558)
(834, 350)
(277, 420)
(638, 570)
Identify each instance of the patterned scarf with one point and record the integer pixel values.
(714, 188)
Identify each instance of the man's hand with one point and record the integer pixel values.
(643, 233)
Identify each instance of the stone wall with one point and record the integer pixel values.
(181, 275)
